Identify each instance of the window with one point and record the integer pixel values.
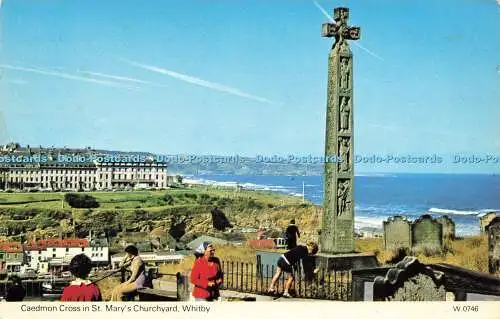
(53, 249)
(101, 254)
(83, 249)
(39, 258)
(53, 255)
(67, 249)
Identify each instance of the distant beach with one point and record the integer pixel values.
(463, 197)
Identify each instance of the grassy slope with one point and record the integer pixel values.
(138, 199)
(471, 253)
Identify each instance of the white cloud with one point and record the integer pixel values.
(201, 82)
(65, 76)
(121, 78)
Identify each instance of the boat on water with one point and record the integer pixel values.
(52, 288)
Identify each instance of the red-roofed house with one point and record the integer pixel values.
(261, 243)
(55, 254)
(14, 256)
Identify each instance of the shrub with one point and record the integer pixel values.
(81, 201)
(191, 195)
(168, 199)
(205, 199)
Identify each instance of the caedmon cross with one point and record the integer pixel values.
(340, 30)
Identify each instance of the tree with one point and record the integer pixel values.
(81, 200)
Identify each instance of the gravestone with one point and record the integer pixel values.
(397, 233)
(485, 220)
(448, 227)
(427, 234)
(410, 280)
(493, 230)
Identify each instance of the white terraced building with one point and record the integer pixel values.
(55, 254)
(25, 168)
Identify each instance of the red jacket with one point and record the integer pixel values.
(204, 271)
(82, 292)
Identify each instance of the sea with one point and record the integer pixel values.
(462, 197)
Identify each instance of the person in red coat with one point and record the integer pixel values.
(81, 289)
(206, 275)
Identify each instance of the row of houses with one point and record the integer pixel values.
(54, 255)
(51, 255)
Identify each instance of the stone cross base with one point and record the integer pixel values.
(344, 262)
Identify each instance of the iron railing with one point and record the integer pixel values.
(33, 288)
(252, 278)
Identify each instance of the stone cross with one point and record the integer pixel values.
(337, 230)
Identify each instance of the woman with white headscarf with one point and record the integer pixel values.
(206, 275)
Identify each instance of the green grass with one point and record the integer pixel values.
(146, 199)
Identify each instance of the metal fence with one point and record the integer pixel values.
(252, 278)
(33, 288)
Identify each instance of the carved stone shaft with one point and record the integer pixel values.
(337, 233)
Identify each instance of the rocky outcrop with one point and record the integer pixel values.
(179, 223)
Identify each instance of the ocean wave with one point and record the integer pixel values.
(273, 188)
(454, 212)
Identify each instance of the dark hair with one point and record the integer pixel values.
(131, 249)
(80, 266)
(314, 248)
(292, 221)
(16, 280)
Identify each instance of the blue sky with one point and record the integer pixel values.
(249, 77)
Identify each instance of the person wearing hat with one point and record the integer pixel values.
(206, 275)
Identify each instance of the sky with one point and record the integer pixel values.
(249, 77)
